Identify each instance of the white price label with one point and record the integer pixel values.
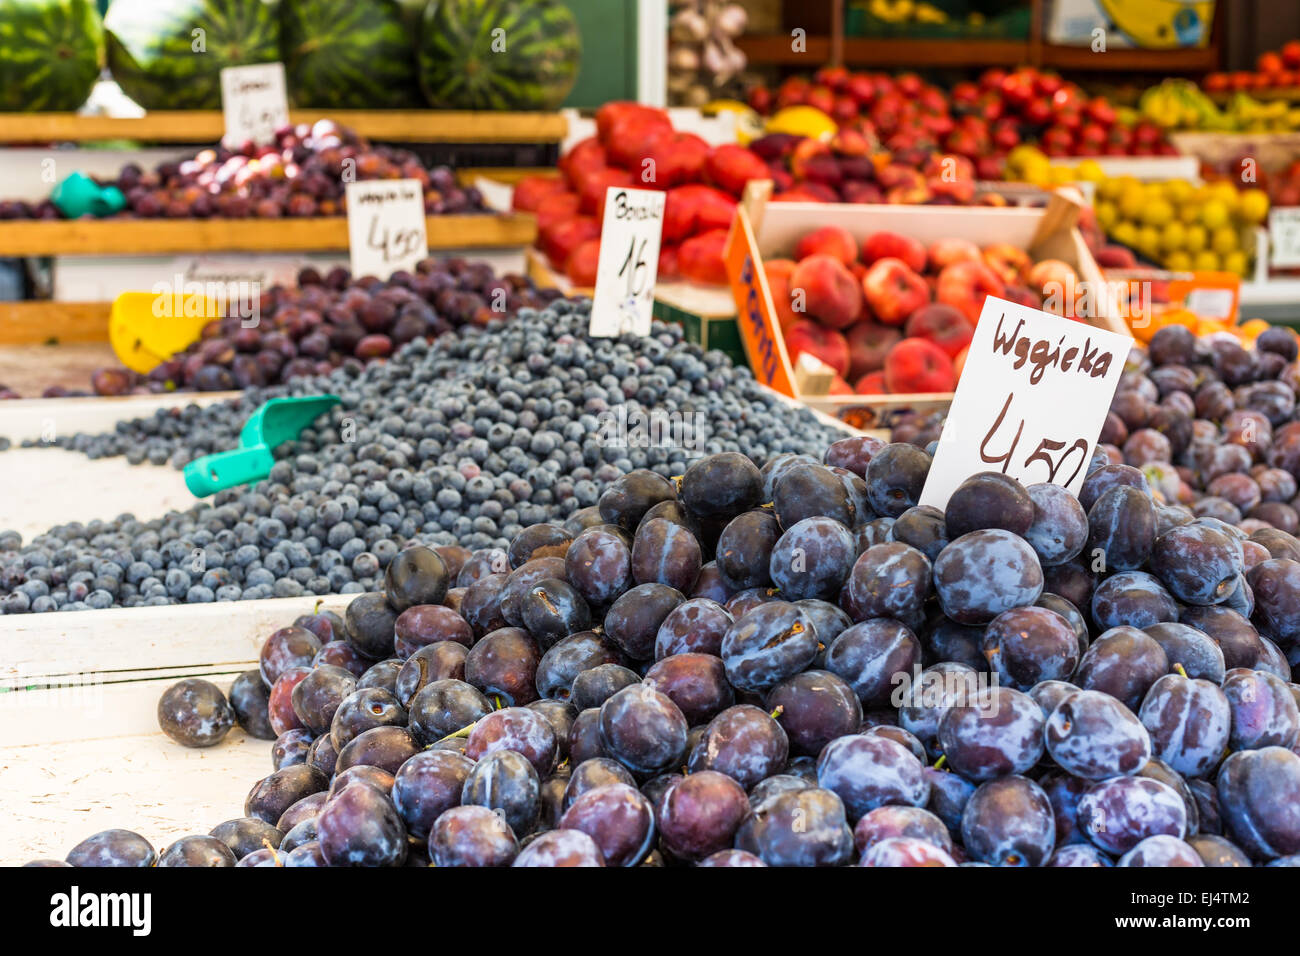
(1284, 237)
(253, 102)
(629, 262)
(1210, 303)
(386, 231)
(1031, 402)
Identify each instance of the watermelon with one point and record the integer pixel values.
(169, 54)
(52, 53)
(498, 54)
(351, 54)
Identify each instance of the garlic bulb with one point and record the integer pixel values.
(689, 26)
(731, 20)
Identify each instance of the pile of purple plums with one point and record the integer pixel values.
(302, 173)
(324, 322)
(796, 665)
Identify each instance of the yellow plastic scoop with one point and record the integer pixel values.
(147, 328)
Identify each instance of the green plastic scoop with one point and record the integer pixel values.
(278, 421)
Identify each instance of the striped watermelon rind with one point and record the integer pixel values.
(350, 54)
(51, 52)
(152, 55)
(459, 69)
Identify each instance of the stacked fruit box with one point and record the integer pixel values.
(775, 332)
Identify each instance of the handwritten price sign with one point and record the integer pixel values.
(253, 102)
(1284, 237)
(386, 226)
(1031, 401)
(629, 262)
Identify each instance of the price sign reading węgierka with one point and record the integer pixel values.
(253, 103)
(629, 262)
(386, 227)
(1031, 402)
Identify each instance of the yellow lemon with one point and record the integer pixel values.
(1061, 175)
(1195, 238)
(1178, 190)
(1254, 205)
(1157, 212)
(1090, 171)
(1039, 174)
(803, 121)
(1109, 189)
(1022, 154)
(1173, 236)
(1236, 262)
(1107, 215)
(1226, 193)
(1179, 261)
(1132, 202)
(1190, 212)
(1148, 241)
(1125, 232)
(1224, 240)
(1214, 214)
(1206, 261)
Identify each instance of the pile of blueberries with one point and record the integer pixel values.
(465, 440)
(792, 665)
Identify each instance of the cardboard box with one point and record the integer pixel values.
(1142, 24)
(764, 230)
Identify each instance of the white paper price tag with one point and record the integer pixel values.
(1031, 401)
(386, 226)
(1284, 237)
(629, 262)
(253, 102)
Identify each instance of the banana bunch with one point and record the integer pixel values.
(1181, 104)
(905, 11)
(1249, 115)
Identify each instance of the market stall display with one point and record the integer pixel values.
(719, 433)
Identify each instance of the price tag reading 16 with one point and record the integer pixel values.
(629, 262)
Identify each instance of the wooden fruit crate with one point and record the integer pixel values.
(80, 748)
(122, 237)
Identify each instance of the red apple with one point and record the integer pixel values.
(873, 383)
(943, 325)
(893, 290)
(884, 245)
(826, 344)
(823, 287)
(915, 365)
(833, 241)
(965, 285)
(869, 342)
(944, 252)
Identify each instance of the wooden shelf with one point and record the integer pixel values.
(776, 50)
(503, 174)
(39, 322)
(874, 52)
(1082, 59)
(122, 237)
(204, 126)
